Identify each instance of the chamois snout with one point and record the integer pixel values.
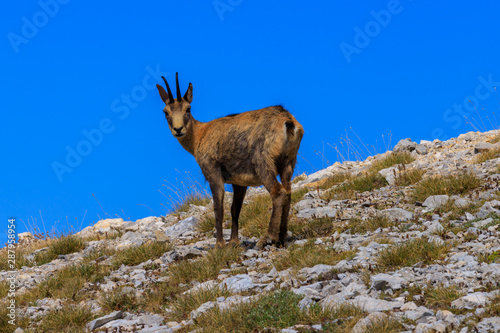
(178, 131)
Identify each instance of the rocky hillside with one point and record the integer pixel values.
(405, 241)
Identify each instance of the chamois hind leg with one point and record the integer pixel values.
(286, 181)
(217, 188)
(278, 195)
(238, 196)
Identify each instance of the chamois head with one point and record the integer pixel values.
(177, 111)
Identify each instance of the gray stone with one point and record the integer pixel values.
(422, 149)
(96, 323)
(313, 272)
(482, 147)
(238, 283)
(470, 301)
(202, 309)
(489, 325)
(182, 228)
(461, 202)
(384, 281)
(397, 214)
(305, 303)
(363, 324)
(317, 212)
(435, 201)
(418, 313)
(433, 227)
(405, 145)
(388, 174)
(369, 304)
(486, 210)
(309, 203)
(482, 223)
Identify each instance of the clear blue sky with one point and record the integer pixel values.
(73, 69)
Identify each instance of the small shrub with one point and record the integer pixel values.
(391, 160)
(460, 183)
(308, 255)
(410, 253)
(71, 318)
(138, 254)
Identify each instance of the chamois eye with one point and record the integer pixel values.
(188, 110)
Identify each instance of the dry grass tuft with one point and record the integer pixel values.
(255, 216)
(388, 324)
(459, 183)
(194, 198)
(493, 308)
(408, 177)
(334, 179)
(204, 268)
(272, 312)
(60, 246)
(487, 155)
(494, 139)
(118, 299)
(71, 318)
(440, 297)
(391, 160)
(347, 190)
(320, 227)
(136, 255)
(409, 253)
(371, 224)
(185, 303)
(309, 255)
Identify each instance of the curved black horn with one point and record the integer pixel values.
(170, 97)
(179, 96)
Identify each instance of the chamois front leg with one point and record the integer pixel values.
(238, 197)
(217, 188)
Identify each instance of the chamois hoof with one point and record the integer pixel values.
(234, 242)
(264, 241)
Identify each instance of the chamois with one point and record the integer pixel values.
(247, 149)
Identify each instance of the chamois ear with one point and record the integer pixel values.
(163, 93)
(188, 96)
